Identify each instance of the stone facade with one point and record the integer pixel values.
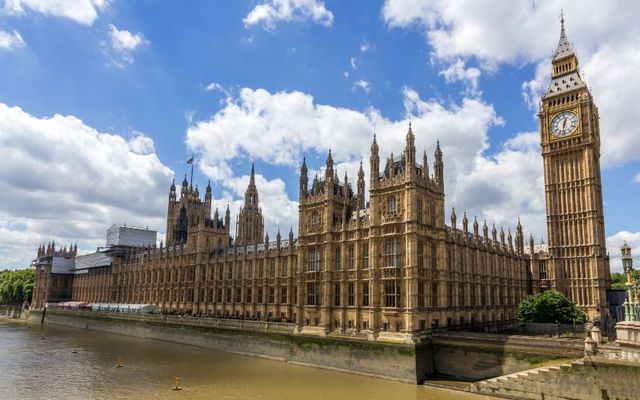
(578, 264)
(382, 265)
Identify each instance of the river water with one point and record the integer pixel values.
(67, 364)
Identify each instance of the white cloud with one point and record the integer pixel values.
(523, 31)
(11, 40)
(353, 62)
(63, 180)
(84, 12)
(615, 242)
(365, 46)
(120, 46)
(276, 128)
(457, 72)
(362, 84)
(270, 12)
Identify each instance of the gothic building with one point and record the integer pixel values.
(383, 264)
(578, 263)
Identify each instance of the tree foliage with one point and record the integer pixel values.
(16, 286)
(619, 280)
(550, 307)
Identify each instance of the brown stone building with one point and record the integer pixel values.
(382, 265)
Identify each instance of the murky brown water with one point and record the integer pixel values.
(35, 368)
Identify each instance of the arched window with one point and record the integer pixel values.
(391, 204)
(315, 218)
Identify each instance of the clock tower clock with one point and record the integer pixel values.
(570, 140)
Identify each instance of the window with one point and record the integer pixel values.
(315, 218)
(351, 257)
(272, 295)
(272, 269)
(543, 270)
(420, 213)
(391, 204)
(260, 293)
(391, 293)
(420, 255)
(392, 253)
(434, 295)
(421, 294)
(365, 256)
(228, 295)
(338, 259)
(285, 268)
(336, 294)
(314, 260)
(312, 293)
(283, 295)
(219, 300)
(461, 298)
(250, 271)
(350, 295)
(260, 269)
(450, 295)
(248, 296)
(238, 295)
(365, 294)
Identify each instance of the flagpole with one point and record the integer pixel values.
(192, 159)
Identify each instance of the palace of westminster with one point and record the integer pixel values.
(383, 265)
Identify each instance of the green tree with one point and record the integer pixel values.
(619, 280)
(550, 307)
(16, 286)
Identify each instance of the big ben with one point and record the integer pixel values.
(570, 140)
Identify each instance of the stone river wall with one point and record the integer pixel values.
(460, 355)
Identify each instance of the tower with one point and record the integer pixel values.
(250, 228)
(570, 141)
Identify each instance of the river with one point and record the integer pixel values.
(67, 364)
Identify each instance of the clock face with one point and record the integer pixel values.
(564, 124)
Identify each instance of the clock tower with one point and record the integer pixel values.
(570, 140)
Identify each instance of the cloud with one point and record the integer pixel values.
(63, 180)
(523, 32)
(362, 84)
(277, 128)
(83, 12)
(270, 12)
(11, 40)
(615, 242)
(365, 46)
(353, 61)
(120, 46)
(457, 72)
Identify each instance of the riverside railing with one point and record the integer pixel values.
(213, 322)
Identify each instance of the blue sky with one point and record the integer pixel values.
(266, 81)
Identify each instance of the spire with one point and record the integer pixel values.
(329, 166)
(173, 185)
(438, 166)
(374, 145)
(304, 179)
(425, 165)
(252, 179)
(465, 223)
(361, 187)
(453, 218)
(564, 48)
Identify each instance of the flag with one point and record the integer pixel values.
(190, 161)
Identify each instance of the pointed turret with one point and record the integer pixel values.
(494, 233)
(425, 165)
(475, 228)
(565, 74)
(304, 180)
(328, 173)
(531, 245)
(519, 238)
(266, 241)
(185, 186)
(465, 223)
(207, 195)
(410, 153)
(361, 193)
(564, 48)
(227, 219)
(172, 190)
(291, 236)
(453, 219)
(438, 166)
(374, 164)
(485, 231)
(278, 238)
(345, 188)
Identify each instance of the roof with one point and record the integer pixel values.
(564, 48)
(564, 84)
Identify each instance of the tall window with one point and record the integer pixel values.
(315, 218)
(365, 256)
(420, 210)
(272, 295)
(285, 267)
(365, 294)
(248, 296)
(420, 255)
(421, 294)
(238, 295)
(338, 259)
(272, 269)
(391, 204)
(314, 260)
(450, 295)
(312, 293)
(283, 295)
(543, 270)
(249, 270)
(351, 295)
(260, 269)
(260, 295)
(351, 257)
(391, 293)
(392, 253)
(336, 294)
(434, 294)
